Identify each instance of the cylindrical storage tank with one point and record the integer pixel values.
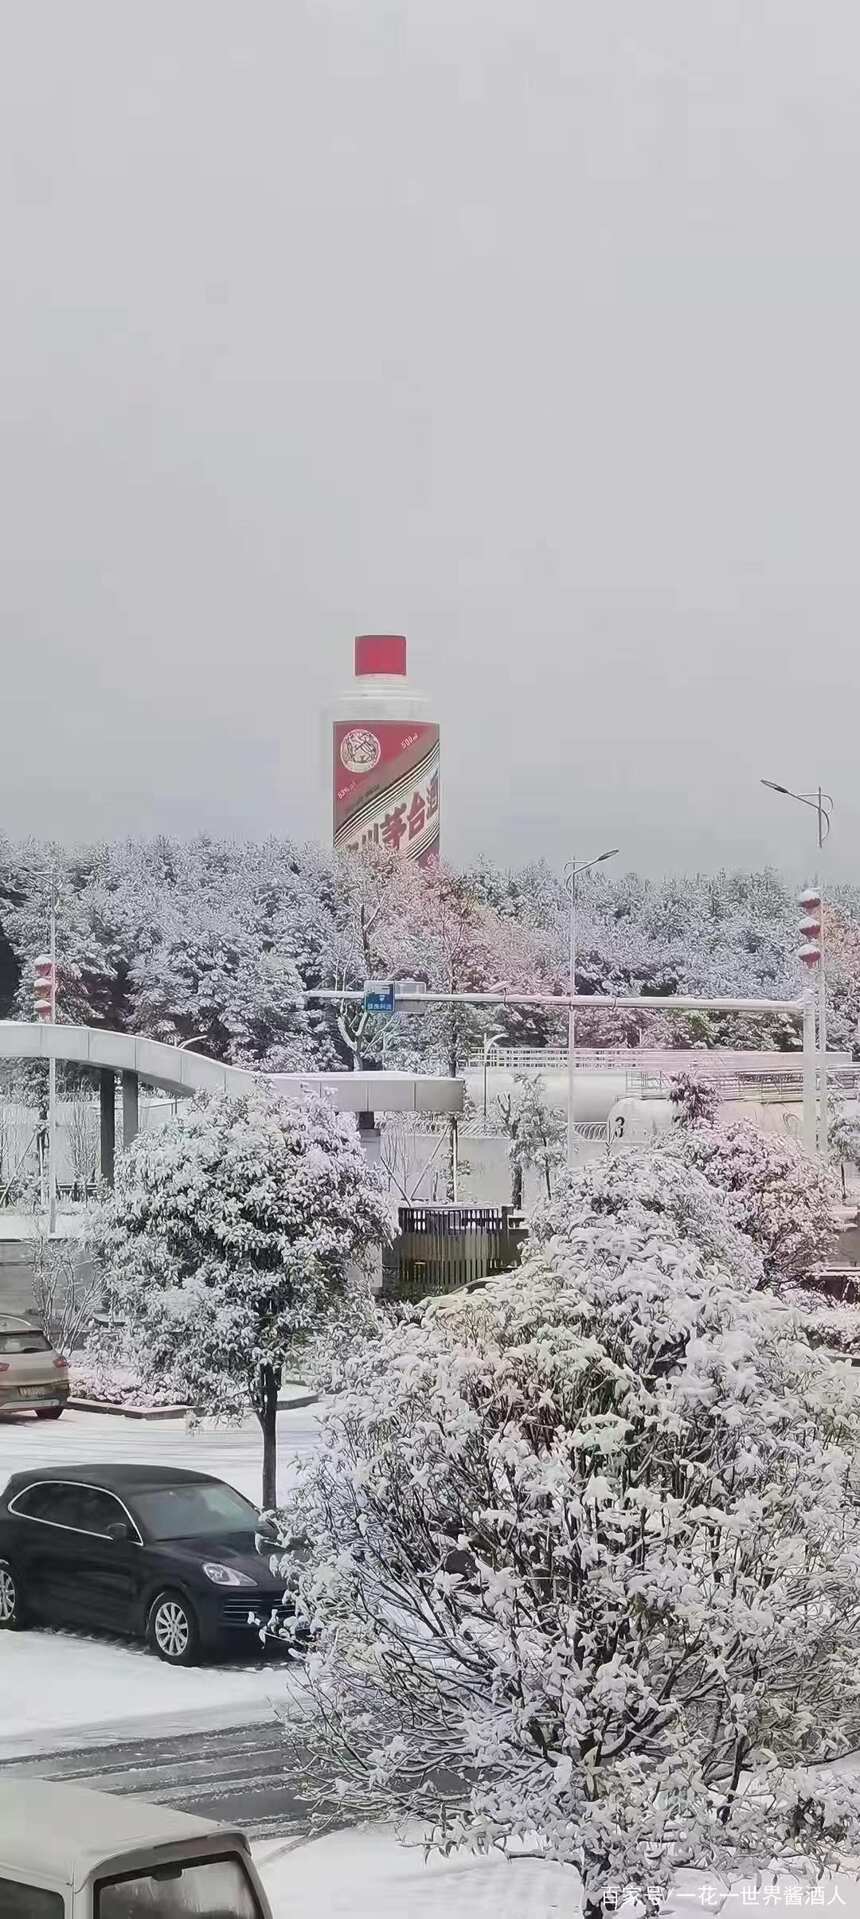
(385, 757)
(639, 1122)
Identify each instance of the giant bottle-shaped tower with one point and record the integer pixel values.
(385, 757)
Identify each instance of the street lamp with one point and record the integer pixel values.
(571, 874)
(822, 805)
(179, 1046)
(489, 1040)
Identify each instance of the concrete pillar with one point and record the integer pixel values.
(107, 1115)
(130, 1108)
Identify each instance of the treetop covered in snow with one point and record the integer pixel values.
(216, 942)
(230, 1235)
(585, 1541)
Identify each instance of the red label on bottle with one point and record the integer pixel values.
(386, 787)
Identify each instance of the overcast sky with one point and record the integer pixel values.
(531, 330)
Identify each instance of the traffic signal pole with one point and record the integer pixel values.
(45, 1007)
(52, 1075)
(408, 997)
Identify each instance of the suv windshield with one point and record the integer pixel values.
(207, 1889)
(24, 1341)
(187, 1512)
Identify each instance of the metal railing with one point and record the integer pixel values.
(442, 1248)
(658, 1066)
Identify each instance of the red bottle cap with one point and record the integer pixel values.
(380, 653)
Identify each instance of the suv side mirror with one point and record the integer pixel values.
(119, 1532)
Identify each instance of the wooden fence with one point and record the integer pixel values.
(441, 1248)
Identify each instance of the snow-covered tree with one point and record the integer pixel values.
(651, 1194)
(781, 1198)
(212, 980)
(583, 1564)
(843, 1138)
(218, 961)
(176, 934)
(695, 1099)
(229, 1238)
(371, 912)
(536, 1132)
(843, 1132)
(842, 952)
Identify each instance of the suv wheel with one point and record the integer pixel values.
(10, 1601)
(48, 1412)
(172, 1630)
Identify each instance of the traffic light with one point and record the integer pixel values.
(810, 928)
(44, 987)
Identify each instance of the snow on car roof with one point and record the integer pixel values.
(119, 1476)
(64, 1831)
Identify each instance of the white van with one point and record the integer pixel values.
(70, 1854)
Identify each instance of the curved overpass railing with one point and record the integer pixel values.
(181, 1071)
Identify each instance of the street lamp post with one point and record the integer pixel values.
(489, 1041)
(196, 1039)
(571, 874)
(821, 804)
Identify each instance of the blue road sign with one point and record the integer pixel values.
(379, 996)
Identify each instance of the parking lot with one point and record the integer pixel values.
(229, 1452)
(57, 1687)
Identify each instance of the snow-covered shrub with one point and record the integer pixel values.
(781, 1198)
(585, 1572)
(66, 1292)
(831, 1323)
(231, 1236)
(329, 1346)
(696, 1100)
(105, 1376)
(843, 1138)
(654, 1194)
(843, 1131)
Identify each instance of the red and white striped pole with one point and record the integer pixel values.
(45, 1008)
(45, 989)
(811, 956)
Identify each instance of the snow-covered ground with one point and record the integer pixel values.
(63, 1689)
(368, 1875)
(57, 1687)
(230, 1452)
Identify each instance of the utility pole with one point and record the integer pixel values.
(822, 805)
(52, 1072)
(488, 1042)
(45, 997)
(823, 830)
(809, 1128)
(571, 873)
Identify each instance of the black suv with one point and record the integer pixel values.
(174, 1557)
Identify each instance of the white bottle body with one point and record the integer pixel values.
(383, 766)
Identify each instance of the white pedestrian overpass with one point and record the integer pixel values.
(182, 1072)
